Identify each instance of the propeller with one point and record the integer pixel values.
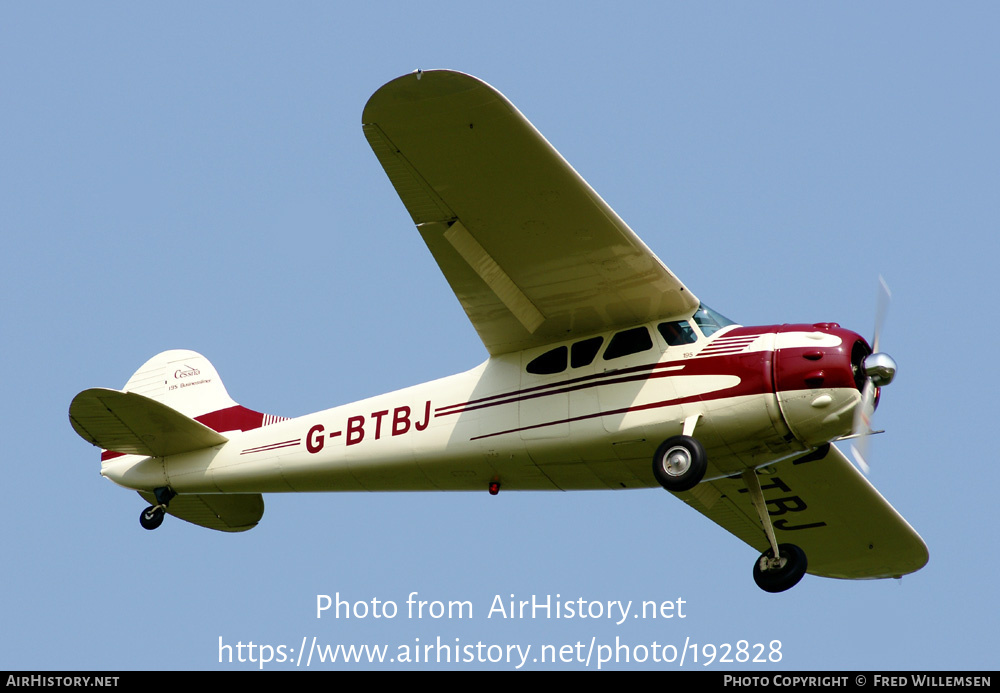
(879, 370)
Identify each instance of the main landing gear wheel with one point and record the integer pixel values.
(151, 517)
(679, 463)
(777, 575)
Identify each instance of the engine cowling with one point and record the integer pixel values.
(818, 379)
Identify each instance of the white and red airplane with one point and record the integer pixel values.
(604, 372)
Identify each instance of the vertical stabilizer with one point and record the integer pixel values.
(187, 381)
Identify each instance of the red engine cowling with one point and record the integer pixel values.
(818, 379)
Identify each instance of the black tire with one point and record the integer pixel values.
(151, 517)
(679, 463)
(785, 577)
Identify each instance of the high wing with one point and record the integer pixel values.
(533, 254)
(822, 504)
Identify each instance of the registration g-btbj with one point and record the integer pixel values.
(605, 371)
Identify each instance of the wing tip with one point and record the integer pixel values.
(420, 85)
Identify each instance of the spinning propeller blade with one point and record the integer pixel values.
(879, 370)
(882, 308)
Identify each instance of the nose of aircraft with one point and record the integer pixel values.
(880, 368)
(818, 376)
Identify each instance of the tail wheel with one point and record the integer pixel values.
(779, 574)
(151, 517)
(679, 463)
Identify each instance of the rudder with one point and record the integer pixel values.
(187, 381)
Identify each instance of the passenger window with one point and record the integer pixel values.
(583, 353)
(552, 361)
(677, 333)
(628, 342)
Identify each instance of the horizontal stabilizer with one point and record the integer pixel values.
(131, 423)
(227, 513)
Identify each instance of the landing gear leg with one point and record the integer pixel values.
(781, 566)
(152, 517)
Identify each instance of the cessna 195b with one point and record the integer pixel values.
(604, 372)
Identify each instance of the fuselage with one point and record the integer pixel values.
(585, 414)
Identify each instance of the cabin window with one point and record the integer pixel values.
(677, 333)
(583, 353)
(552, 361)
(628, 342)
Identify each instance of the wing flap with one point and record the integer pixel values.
(498, 281)
(825, 506)
(134, 424)
(532, 252)
(226, 513)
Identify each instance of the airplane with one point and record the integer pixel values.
(605, 371)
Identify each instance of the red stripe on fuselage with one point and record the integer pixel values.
(272, 446)
(610, 378)
(751, 369)
(754, 369)
(474, 403)
(642, 371)
(742, 365)
(235, 418)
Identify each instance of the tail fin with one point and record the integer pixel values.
(172, 404)
(186, 381)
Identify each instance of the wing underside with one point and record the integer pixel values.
(533, 254)
(825, 506)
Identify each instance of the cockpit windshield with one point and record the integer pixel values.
(709, 321)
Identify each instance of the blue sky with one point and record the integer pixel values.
(194, 176)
